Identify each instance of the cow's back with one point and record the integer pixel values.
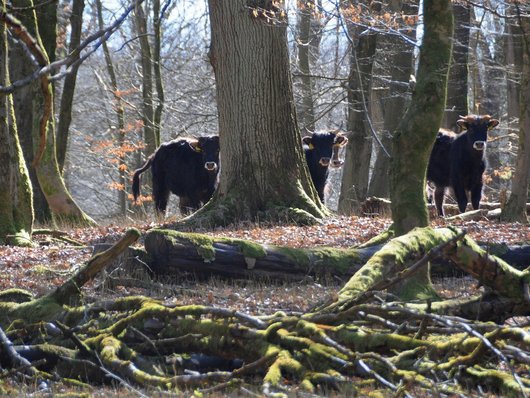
(179, 166)
(439, 168)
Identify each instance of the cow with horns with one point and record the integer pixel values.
(322, 151)
(186, 167)
(458, 161)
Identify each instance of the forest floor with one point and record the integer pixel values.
(42, 268)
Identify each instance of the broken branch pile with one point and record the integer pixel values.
(372, 344)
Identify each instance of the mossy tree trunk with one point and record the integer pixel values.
(515, 209)
(359, 148)
(61, 203)
(263, 173)
(20, 67)
(16, 211)
(414, 137)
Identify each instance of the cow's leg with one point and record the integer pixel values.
(185, 205)
(439, 200)
(476, 195)
(160, 196)
(461, 197)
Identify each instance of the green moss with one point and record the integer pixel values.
(298, 256)
(41, 309)
(205, 244)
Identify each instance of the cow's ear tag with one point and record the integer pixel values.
(195, 146)
(307, 141)
(492, 124)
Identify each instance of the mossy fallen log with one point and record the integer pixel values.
(398, 348)
(175, 253)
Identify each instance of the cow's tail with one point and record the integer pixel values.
(136, 177)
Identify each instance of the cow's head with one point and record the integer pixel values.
(326, 146)
(477, 129)
(208, 147)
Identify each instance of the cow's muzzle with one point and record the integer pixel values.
(210, 166)
(324, 162)
(479, 145)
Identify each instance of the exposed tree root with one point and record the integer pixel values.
(364, 342)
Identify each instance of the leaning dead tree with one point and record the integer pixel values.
(367, 338)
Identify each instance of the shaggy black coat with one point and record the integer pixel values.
(458, 161)
(321, 151)
(187, 168)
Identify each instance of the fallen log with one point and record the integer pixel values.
(175, 253)
(378, 207)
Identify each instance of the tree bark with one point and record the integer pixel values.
(120, 115)
(67, 97)
(457, 86)
(308, 46)
(413, 140)
(151, 140)
(515, 209)
(258, 130)
(16, 211)
(399, 65)
(61, 204)
(359, 147)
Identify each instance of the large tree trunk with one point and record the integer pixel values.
(263, 173)
(16, 211)
(457, 87)
(413, 140)
(359, 148)
(20, 67)
(67, 97)
(515, 209)
(62, 206)
(398, 63)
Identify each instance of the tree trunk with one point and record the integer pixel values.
(308, 46)
(16, 211)
(67, 97)
(61, 204)
(263, 173)
(515, 209)
(20, 67)
(457, 87)
(356, 168)
(157, 31)
(413, 140)
(151, 140)
(120, 118)
(398, 63)
(513, 56)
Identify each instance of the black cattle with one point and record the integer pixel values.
(321, 151)
(459, 160)
(186, 167)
